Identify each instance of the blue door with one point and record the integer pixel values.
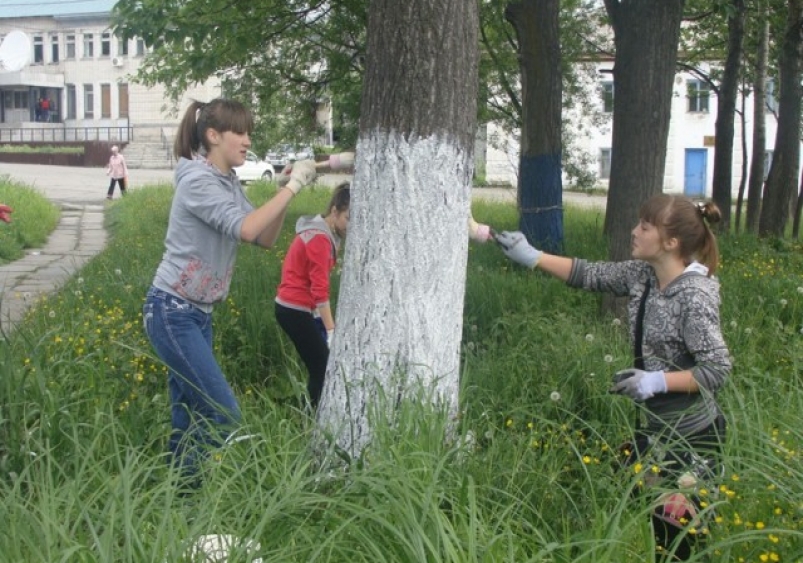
(696, 161)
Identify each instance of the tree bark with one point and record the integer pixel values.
(646, 38)
(400, 310)
(540, 190)
(781, 187)
(756, 182)
(726, 110)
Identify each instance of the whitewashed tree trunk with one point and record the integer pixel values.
(399, 315)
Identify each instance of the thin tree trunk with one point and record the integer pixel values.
(782, 181)
(540, 194)
(757, 171)
(726, 109)
(400, 310)
(743, 178)
(798, 210)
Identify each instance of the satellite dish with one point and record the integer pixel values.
(15, 51)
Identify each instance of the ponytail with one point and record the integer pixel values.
(187, 140)
(220, 114)
(708, 253)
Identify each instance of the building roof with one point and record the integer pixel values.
(54, 8)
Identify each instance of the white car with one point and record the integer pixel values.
(254, 169)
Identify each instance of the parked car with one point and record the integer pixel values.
(283, 155)
(254, 169)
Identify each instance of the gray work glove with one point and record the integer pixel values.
(515, 246)
(638, 384)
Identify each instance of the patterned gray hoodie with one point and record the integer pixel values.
(203, 234)
(681, 332)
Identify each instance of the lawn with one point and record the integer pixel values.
(84, 420)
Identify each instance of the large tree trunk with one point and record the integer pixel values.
(781, 187)
(757, 171)
(646, 39)
(726, 110)
(540, 192)
(400, 311)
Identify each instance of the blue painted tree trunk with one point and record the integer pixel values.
(541, 201)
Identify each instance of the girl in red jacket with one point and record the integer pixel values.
(302, 301)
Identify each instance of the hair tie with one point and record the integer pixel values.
(701, 209)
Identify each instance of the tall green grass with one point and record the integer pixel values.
(84, 420)
(33, 219)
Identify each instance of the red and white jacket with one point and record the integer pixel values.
(308, 265)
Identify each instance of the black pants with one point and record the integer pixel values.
(120, 181)
(303, 331)
(699, 455)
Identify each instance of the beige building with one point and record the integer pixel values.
(84, 72)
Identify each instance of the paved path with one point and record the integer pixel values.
(81, 194)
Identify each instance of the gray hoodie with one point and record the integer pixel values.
(203, 234)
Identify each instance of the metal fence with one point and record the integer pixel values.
(66, 134)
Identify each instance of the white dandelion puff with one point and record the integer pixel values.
(748, 330)
(784, 302)
(616, 322)
(118, 272)
(589, 338)
(52, 314)
(608, 358)
(554, 396)
(80, 280)
(800, 289)
(734, 324)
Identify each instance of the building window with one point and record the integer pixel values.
(89, 101)
(605, 163)
(106, 44)
(38, 49)
(122, 46)
(54, 48)
(122, 100)
(105, 101)
(70, 45)
(89, 45)
(70, 101)
(767, 164)
(140, 47)
(607, 97)
(698, 93)
(20, 99)
(770, 97)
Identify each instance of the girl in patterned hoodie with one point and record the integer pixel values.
(302, 301)
(683, 362)
(209, 217)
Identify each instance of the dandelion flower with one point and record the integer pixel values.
(80, 280)
(589, 338)
(784, 302)
(118, 272)
(616, 322)
(800, 289)
(734, 324)
(608, 358)
(748, 330)
(554, 396)
(52, 314)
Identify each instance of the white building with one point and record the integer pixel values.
(690, 145)
(84, 72)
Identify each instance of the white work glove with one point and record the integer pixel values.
(303, 173)
(638, 384)
(329, 334)
(515, 246)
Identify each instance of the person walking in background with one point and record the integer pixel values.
(210, 215)
(117, 171)
(45, 104)
(681, 360)
(302, 301)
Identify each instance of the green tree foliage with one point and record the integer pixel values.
(281, 57)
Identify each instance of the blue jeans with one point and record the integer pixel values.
(203, 407)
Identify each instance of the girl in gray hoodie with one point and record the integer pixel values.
(209, 217)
